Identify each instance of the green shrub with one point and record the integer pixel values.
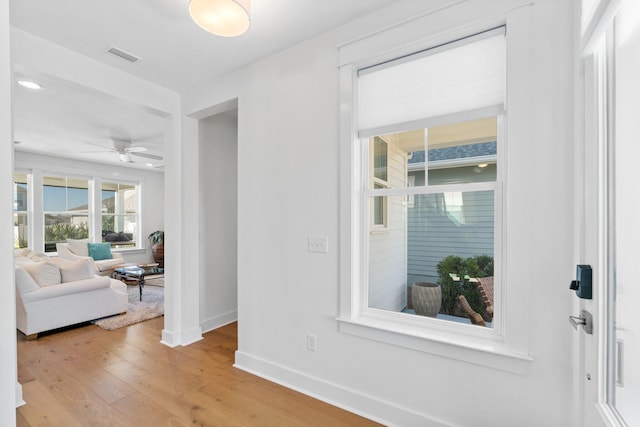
(464, 269)
(61, 232)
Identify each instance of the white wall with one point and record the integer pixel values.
(152, 183)
(288, 189)
(10, 391)
(218, 139)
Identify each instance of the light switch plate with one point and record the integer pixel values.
(319, 244)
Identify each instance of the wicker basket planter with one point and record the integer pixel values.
(426, 298)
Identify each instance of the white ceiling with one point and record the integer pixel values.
(175, 53)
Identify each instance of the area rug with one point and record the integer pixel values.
(151, 306)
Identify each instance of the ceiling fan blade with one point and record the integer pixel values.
(99, 145)
(98, 151)
(135, 149)
(147, 155)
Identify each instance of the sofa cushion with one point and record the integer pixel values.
(72, 271)
(21, 252)
(37, 256)
(24, 281)
(19, 260)
(100, 251)
(79, 247)
(44, 273)
(87, 285)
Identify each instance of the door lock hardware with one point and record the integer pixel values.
(585, 320)
(582, 285)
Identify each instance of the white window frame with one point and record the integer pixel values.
(29, 211)
(138, 187)
(43, 213)
(499, 347)
(36, 208)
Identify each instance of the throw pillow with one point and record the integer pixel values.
(44, 273)
(38, 256)
(76, 270)
(99, 251)
(22, 252)
(79, 247)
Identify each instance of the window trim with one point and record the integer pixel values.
(36, 211)
(138, 187)
(505, 351)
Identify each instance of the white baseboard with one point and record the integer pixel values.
(19, 400)
(169, 339)
(337, 395)
(191, 336)
(218, 321)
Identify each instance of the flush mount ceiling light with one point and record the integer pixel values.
(29, 84)
(227, 18)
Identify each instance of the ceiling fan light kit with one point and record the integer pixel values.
(227, 18)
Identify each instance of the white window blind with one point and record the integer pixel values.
(465, 75)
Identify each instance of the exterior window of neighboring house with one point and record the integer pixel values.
(119, 212)
(20, 210)
(65, 202)
(380, 167)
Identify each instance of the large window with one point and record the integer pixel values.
(49, 208)
(424, 135)
(65, 202)
(119, 213)
(20, 210)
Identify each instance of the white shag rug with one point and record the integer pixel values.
(151, 306)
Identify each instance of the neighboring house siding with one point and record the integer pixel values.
(434, 234)
(388, 248)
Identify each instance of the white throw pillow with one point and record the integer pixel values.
(38, 256)
(19, 260)
(79, 247)
(44, 273)
(23, 252)
(76, 270)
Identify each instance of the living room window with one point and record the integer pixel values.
(119, 213)
(65, 202)
(20, 210)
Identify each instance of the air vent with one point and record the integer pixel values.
(124, 55)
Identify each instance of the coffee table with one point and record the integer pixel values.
(136, 274)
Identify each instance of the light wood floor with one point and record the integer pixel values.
(90, 377)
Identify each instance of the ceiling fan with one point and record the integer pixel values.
(125, 150)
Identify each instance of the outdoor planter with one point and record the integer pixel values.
(426, 298)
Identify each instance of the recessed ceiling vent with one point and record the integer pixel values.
(124, 55)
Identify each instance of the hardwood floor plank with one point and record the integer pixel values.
(141, 410)
(42, 409)
(87, 376)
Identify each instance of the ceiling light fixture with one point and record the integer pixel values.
(227, 18)
(29, 84)
(483, 165)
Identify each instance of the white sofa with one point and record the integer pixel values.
(78, 296)
(103, 267)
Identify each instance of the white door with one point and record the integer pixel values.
(607, 377)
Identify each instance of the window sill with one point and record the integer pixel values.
(472, 349)
(129, 250)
